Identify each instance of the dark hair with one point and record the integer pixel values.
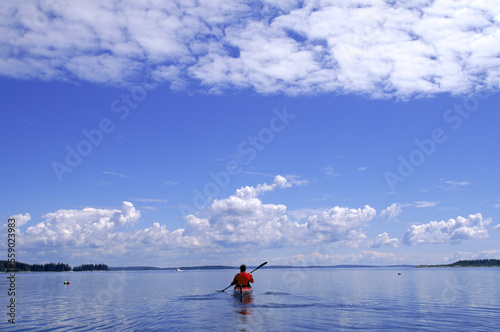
(243, 268)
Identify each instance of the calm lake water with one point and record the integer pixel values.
(432, 299)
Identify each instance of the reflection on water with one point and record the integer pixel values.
(245, 301)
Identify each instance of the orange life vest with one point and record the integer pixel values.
(243, 278)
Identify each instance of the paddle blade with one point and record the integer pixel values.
(258, 267)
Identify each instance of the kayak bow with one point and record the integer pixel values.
(242, 290)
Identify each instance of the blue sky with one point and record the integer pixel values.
(312, 132)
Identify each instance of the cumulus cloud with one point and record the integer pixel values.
(88, 227)
(339, 222)
(229, 221)
(226, 222)
(392, 211)
(384, 240)
(21, 219)
(241, 220)
(451, 231)
(378, 48)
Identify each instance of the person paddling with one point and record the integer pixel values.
(246, 278)
(242, 279)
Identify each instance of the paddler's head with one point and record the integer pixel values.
(243, 268)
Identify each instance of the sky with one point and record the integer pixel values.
(183, 133)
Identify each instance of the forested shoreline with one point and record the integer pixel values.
(470, 263)
(6, 266)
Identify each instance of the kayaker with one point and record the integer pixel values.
(243, 278)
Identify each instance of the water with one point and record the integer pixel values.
(433, 299)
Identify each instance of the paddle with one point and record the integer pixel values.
(258, 267)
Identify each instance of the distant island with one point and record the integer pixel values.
(5, 266)
(469, 263)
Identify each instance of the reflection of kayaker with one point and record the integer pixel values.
(242, 280)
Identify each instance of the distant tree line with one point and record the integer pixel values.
(469, 263)
(477, 262)
(91, 267)
(5, 266)
(50, 267)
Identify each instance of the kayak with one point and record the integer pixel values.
(242, 291)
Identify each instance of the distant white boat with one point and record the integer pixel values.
(178, 269)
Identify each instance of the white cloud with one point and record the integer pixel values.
(379, 49)
(457, 256)
(150, 208)
(392, 211)
(296, 180)
(424, 204)
(123, 176)
(241, 220)
(329, 172)
(384, 240)
(21, 219)
(451, 231)
(454, 185)
(230, 221)
(88, 227)
(226, 221)
(339, 223)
